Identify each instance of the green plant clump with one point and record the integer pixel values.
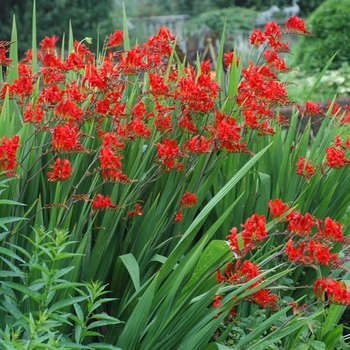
(235, 18)
(331, 26)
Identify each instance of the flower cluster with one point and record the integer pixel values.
(310, 242)
(337, 292)
(103, 203)
(243, 273)
(188, 200)
(8, 159)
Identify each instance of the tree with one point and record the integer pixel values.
(89, 18)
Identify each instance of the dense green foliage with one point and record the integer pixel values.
(88, 17)
(330, 24)
(194, 7)
(236, 18)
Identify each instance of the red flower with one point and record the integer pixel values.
(103, 203)
(265, 299)
(330, 229)
(199, 144)
(277, 208)
(336, 292)
(61, 170)
(312, 108)
(274, 60)
(296, 25)
(336, 157)
(228, 58)
(111, 166)
(255, 230)
(233, 242)
(178, 216)
(305, 168)
(49, 44)
(167, 152)
(4, 61)
(257, 37)
(163, 123)
(188, 200)
(136, 212)
(299, 224)
(67, 109)
(65, 138)
(116, 39)
(217, 301)
(8, 149)
(157, 84)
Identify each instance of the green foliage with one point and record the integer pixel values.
(39, 306)
(237, 19)
(332, 83)
(195, 7)
(90, 18)
(331, 26)
(161, 271)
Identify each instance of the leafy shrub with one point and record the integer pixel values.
(38, 303)
(331, 26)
(333, 82)
(236, 19)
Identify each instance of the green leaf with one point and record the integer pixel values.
(10, 202)
(138, 319)
(132, 266)
(103, 323)
(103, 346)
(23, 289)
(66, 302)
(216, 346)
(8, 220)
(332, 337)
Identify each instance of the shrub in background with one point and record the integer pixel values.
(237, 19)
(331, 26)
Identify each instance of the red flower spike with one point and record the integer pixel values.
(178, 216)
(255, 231)
(8, 149)
(335, 291)
(61, 170)
(228, 59)
(336, 158)
(157, 84)
(217, 301)
(304, 168)
(116, 39)
(49, 44)
(233, 242)
(277, 208)
(103, 203)
(312, 108)
(188, 200)
(273, 29)
(136, 212)
(257, 37)
(199, 144)
(274, 60)
(296, 25)
(164, 123)
(4, 61)
(167, 152)
(330, 230)
(299, 224)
